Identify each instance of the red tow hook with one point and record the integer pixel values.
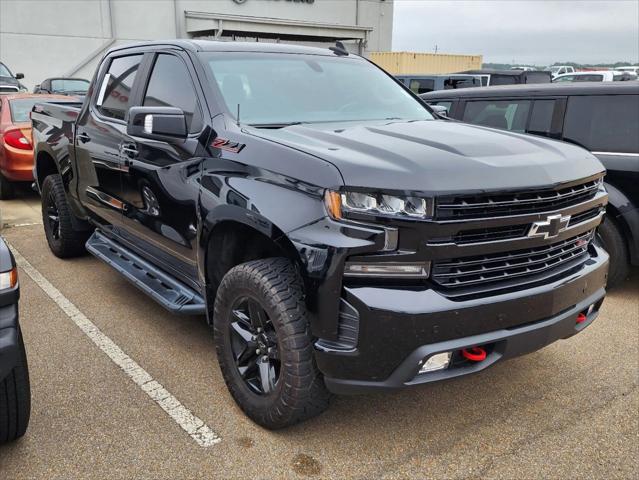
(474, 354)
(581, 318)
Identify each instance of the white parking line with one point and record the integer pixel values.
(196, 428)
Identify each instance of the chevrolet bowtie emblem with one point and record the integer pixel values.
(549, 228)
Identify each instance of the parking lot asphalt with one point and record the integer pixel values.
(570, 410)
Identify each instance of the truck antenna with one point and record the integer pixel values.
(339, 49)
(238, 114)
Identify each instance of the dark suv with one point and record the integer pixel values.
(600, 117)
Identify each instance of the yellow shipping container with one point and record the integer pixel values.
(409, 63)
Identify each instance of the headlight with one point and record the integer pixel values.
(340, 204)
(8, 279)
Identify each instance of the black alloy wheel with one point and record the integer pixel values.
(254, 346)
(264, 343)
(53, 215)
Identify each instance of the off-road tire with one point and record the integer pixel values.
(15, 399)
(6, 189)
(300, 392)
(70, 241)
(614, 243)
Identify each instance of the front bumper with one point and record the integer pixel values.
(400, 327)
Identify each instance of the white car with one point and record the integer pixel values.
(556, 70)
(594, 76)
(634, 69)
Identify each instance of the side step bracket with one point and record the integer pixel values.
(168, 292)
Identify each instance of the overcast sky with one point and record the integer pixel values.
(538, 32)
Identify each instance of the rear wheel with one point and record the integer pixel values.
(15, 399)
(264, 345)
(6, 188)
(63, 239)
(613, 242)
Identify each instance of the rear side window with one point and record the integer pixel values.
(171, 86)
(421, 85)
(603, 123)
(505, 114)
(541, 117)
(115, 92)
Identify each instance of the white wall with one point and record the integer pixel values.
(47, 38)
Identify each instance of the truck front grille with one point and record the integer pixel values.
(496, 269)
(493, 234)
(518, 203)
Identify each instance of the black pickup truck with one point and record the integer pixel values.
(338, 235)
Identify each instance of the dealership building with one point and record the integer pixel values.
(44, 38)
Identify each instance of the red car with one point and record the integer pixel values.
(16, 150)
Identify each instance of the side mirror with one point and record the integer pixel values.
(439, 110)
(19, 76)
(157, 123)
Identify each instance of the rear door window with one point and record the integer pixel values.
(114, 96)
(603, 123)
(541, 117)
(505, 114)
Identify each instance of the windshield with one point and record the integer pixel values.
(20, 107)
(275, 88)
(554, 69)
(69, 85)
(4, 71)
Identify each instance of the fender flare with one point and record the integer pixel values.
(225, 214)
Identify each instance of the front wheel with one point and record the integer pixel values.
(264, 345)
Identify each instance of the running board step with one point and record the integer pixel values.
(168, 292)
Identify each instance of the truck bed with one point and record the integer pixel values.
(62, 110)
(52, 119)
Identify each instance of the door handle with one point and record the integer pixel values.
(129, 151)
(84, 138)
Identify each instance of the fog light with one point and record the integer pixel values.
(439, 361)
(387, 269)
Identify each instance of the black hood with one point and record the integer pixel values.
(437, 156)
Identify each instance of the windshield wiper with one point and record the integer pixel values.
(274, 125)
